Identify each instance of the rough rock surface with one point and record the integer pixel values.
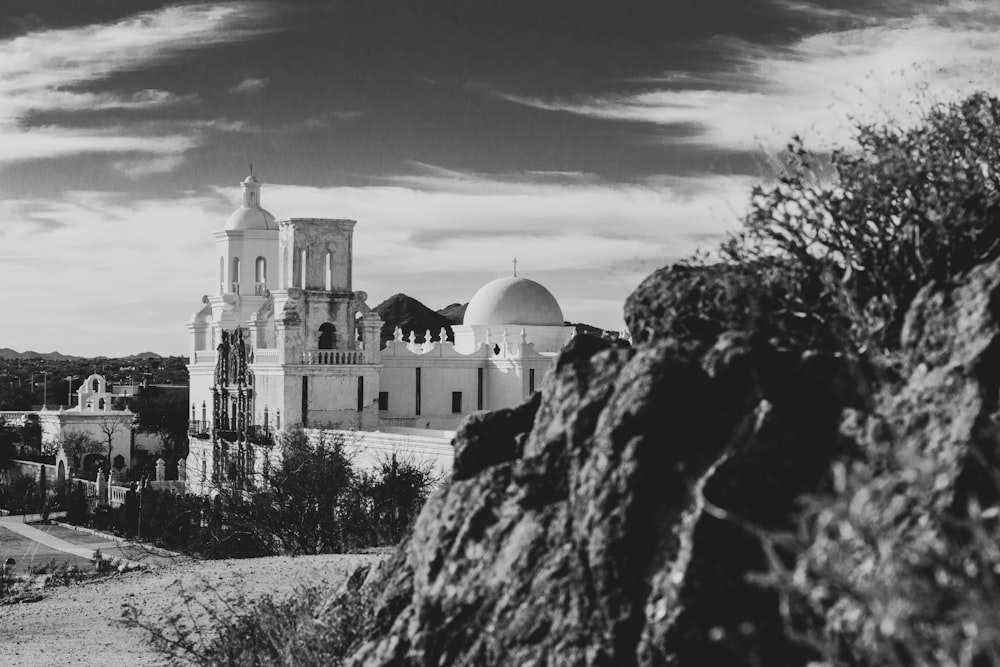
(575, 528)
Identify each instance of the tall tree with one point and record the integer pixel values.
(163, 413)
(112, 424)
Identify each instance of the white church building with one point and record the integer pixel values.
(286, 341)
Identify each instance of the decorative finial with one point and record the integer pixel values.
(515, 267)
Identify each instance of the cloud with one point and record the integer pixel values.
(817, 85)
(438, 239)
(50, 70)
(249, 86)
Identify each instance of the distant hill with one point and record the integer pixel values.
(7, 353)
(409, 314)
(582, 328)
(145, 355)
(454, 313)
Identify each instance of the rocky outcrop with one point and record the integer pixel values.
(575, 530)
(618, 517)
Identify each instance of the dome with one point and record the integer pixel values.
(513, 300)
(251, 179)
(251, 217)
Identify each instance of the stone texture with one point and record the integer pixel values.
(574, 530)
(617, 518)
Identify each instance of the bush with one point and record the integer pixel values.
(907, 206)
(309, 628)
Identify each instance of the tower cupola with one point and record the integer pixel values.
(250, 215)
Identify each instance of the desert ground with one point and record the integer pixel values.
(81, 624)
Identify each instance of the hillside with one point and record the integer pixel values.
(455, 312)
(7, 353)
(405, 312)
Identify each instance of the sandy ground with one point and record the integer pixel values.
(80, 624)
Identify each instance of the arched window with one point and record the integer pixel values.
(302, 268)
(327, 336)
(100, 404)
(328, 270)
(97, 386)
(234, 276)
(222, 270)
(260, 272)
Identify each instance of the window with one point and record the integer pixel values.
(361, 394)
(383, 400)
(97, 386)
(417, 397)
(234, 276)
(260, 272)
(305, 400)
(328, 270)
(456, 402)
(222, 270)
(531, 380)
(100, 404)
(302, 268)
(479, 389)
(327, 336)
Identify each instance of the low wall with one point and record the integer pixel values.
(33, 469)
(368, 449)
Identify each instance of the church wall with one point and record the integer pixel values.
(268, 390)
(333, 396)
(508, 384)
(54, 424)
(312, 239)
(199, 466)
(439, 377)
(200, 380)
(400, 383)
(333, 307)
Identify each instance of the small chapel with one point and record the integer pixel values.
(284, 340)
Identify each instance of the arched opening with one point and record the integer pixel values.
(302, 268)
(328, 270)
(97, 386)
(100, 404)
(119, 462)
(61, 472)
(327, 336)
(234, 275)
(222, 270)
(260, 271)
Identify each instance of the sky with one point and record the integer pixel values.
(594, 140)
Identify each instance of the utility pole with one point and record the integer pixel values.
(45, 389)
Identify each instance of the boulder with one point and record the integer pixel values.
(574, 530)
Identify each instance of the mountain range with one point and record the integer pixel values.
(7, 353)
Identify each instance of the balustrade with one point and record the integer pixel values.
(333, 357)
(116, 495)
(197, 427)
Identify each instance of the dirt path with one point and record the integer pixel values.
(80, 624)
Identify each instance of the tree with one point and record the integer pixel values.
(163, 413)
(8, 446)
(906, 206)
(31, 435)
(111, 424)
(302, 507)
(76, 444)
